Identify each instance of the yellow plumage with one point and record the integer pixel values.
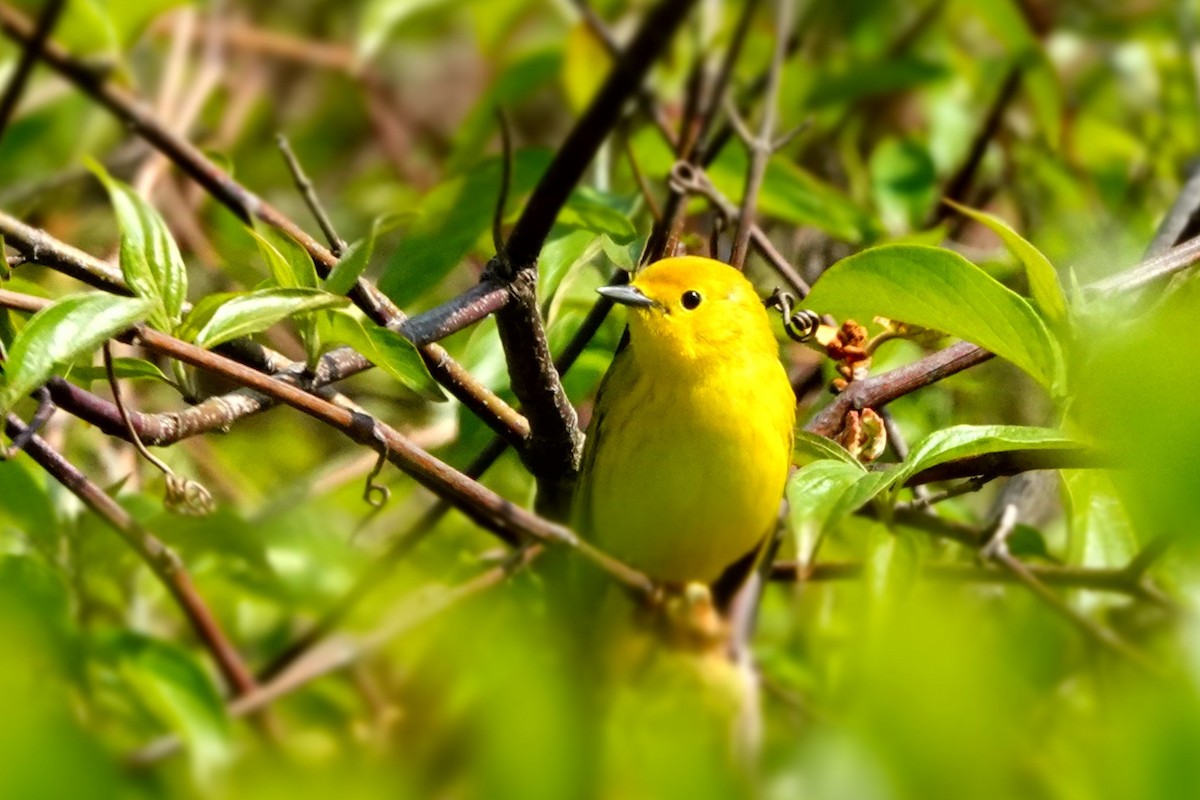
(691, 437)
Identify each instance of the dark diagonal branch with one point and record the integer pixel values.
(959, 185)
(47, 19)
(140, 118)
(483, 506)
(161, 560)
(555, 440)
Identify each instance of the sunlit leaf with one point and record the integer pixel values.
(453, 218)
(244, 314)
(385, 348)
(939, 289)
(1047, 292)
(291, 265)
(150, 259)
(72, 326)
(124, 367)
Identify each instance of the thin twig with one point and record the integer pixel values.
(41, 416)
(996, 550)
(161, 560)
(761, 147)
(139, 118)
(337, 245)
(334, 656)
(47, 19)
(506, 167)
(486, 508)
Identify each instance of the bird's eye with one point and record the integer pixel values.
(690, 299)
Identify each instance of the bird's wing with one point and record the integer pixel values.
(622, 362)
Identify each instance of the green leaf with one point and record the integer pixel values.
(560, 256)
(1101, 533)
(380, 18)
(454, 217)
(385, 349)
(816, 491)
(178, 691)
(74, 325)
(810, 447)
(965, 441)
(874, 78)
(591, 214)
(291, 265)
(34, 515)
(125, 368)
(353, 263)
(1043, 279)
(150, 260)
(939, 289)
(252, 312)
(792, 195)
(839, 488)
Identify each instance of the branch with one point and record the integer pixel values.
(317, 663)
(555, 442)
(161, 560)
(960, 184)
(1012, 462)
(337, 245)
(39, 247)
(483, 506)
(139, 118)
(1116, 581)
(408, 541)
(762, 147)
(47, 19)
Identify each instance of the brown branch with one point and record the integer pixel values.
(1012, 462)
(959, 184)
(220, 412)
(1116, 581)
(161, 560)
(140, 118)
(47, 19)
(319, 662)
(407, 541)
(762, 147)
(483, 506)
(555, 442)
(337, 245)
(39, 247)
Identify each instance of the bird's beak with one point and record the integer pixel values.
(626, 296)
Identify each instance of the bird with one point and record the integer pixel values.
(690, 441)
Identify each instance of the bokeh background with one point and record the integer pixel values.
(890, 684)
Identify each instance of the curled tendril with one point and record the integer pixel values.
(800, 326)
(375, 494)
(187, 497)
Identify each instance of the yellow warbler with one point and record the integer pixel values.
(691, 437)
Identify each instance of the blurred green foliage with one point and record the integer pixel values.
(891, 685)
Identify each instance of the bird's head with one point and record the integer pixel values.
(689, 309)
